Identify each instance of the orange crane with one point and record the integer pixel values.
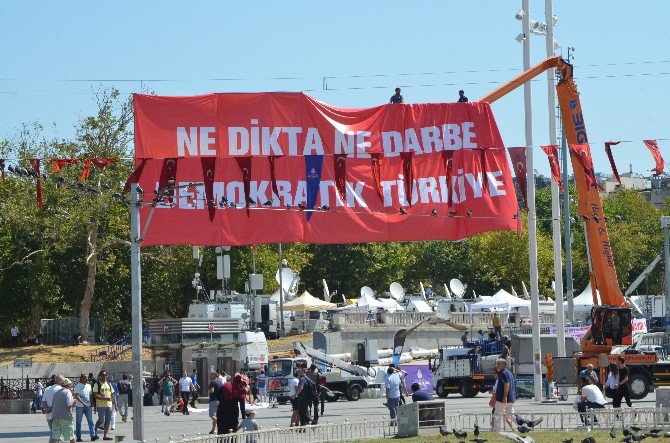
(613, 309)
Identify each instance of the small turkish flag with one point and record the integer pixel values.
(211, 327)
(166, 329)
(583, 155)
(552, 155)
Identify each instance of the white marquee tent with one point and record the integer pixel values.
(364, 303)
(307, 302)
(500, 300)
(584, 301)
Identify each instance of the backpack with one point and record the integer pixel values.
(124, 387)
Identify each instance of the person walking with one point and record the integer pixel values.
(39, 393)
(505, 396)
(293, 388)
(115, 398)
(196, 388)
(82, 402)
(622, 391)
(261, 380)
(213, 387)
(231, 398)
(497, 325)
(304, 396)
(185, 388)
(104, 403)
(47, 400)
(62, 428)
(166, 391)
(392, 384)
(612, 380)
(125, 389)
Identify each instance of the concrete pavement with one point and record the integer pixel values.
(29, 428)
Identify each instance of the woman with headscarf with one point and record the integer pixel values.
(232, 396)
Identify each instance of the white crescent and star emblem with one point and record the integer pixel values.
(209, 174)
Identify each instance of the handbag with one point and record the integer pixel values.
(492, 401)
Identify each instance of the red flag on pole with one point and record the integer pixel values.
(59, 163)
(583, 155)
(244, 164)
(377, 173)
(448, 158)
(273, 179)
(610, 157)
(208, 171)
(656, 153)
(35, 163)
(100, 163)
(408, 173)
(518, 157)
(135, 176)
(552, 155)
(340, 165)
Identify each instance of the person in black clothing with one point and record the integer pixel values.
(622, 387)
(304, 398)
(397, 98)
(461, 97)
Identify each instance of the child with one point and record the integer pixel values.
(249, 424)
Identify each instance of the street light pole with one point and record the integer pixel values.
(281, 297)
(555, 196)
(136, 321)
(532, 228)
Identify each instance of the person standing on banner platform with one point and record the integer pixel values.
(461, 97)
(397, 98)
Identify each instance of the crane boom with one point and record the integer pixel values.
(590, 209)
(330, 360)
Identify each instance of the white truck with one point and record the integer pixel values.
(340, 385)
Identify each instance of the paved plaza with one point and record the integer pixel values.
(29, 428)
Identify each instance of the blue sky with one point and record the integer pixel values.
(622, 58)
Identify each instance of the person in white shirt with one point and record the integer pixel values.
(591, 398)
(293, 386)
(82, 402)
(15, 336)
(47, 399)
(185, 388)
(39, 393)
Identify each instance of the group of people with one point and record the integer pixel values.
(397, 98)
(616, 387)
(307, 396)
(85, 398)
(228, 397)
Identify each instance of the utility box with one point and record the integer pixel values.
(256, 282)
(365, 353)
(565, 371)
(662, 402)
(421, 414)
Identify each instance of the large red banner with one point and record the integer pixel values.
(284, 167)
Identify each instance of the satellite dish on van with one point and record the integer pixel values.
(396, 290)
(326, 291)
(287, 276)
(367, 291)
(457, 287)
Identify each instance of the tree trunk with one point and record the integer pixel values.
(92, 270)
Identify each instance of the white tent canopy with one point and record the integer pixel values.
(500, 300)
(307, 302)
(364, 303)
(584, 301)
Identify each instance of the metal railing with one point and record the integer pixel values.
(405, 318)
(564, 420)
(329, 432)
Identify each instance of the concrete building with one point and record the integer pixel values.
(629, 180)
(660, 190)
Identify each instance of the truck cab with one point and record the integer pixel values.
(280, 372)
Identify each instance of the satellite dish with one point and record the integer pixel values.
(396, 290)
(287, 276)
(423, 291)
(526, 295)
(244, 316)
(367, 291)
(514, 292)
(457, 287)
(447, 294)
(326, 292)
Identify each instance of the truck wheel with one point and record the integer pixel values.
(439, 390)
(638, 385)
(467, 391)
(354, 393)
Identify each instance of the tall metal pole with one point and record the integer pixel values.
(555, 196)
(281, 297)
(567, 231)
(665, 223)
(532, 228)
(136, 322)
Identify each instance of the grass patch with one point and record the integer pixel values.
(492, 437)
